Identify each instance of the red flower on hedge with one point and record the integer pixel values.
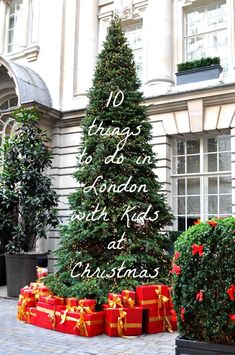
(182, 312)
(176, 255)
(174, 316)
(213, 224)
(231, 291)
(197, 249)
(197, 221)
(199, 296)
(232, 317)
(176, 269)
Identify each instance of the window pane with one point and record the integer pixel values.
(193, 186)
(212, 185)
(181, 186)
(193, 147)
(224, 161)
(225, 184)
(191, 220)
(181, 165)
(193, 205)
(212, 205)
(181, 223)
(180, 147)
(224, 143)
(225, 204)
(212, 145)
(212, 162)
(193, 164)
(181, 205)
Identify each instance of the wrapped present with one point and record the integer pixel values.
(170, 297)
(71, 301)
(128, 298)
(54, 300)
(26, 299)
(31, 315)
(123, 321)
(115, 300)
(152, 296)
(42, 291)
(81, 323)
(173, 319)
(41, 272)
(36, 285)
(157, 321)
(86, 302)
(48, 315)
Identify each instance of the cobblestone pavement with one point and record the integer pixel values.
(20, 338)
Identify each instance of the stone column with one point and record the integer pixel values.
(87, 47)
(24, 25)
(3, 11)
(159, 42)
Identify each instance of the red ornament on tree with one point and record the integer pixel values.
(176, 255)
(176, 269)
(232, 317)
(231, 291)
(199, 296)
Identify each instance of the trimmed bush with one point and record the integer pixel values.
(204, 281)
(203, 62)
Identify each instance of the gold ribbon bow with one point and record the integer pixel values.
(116, 301)
(21, 309)
(52, 318)
(83, 310)
(121, 322)
(129, 301)
(161, 298)
(167, 325)
(28, 314)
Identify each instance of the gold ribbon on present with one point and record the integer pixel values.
(28, 314)
(83, 310)
(127, 300)
(121, 322)
(51, 314)
(161, 298)
(68, 309)
(22, 308)
(116, 301)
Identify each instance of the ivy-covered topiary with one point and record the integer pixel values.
(204, 281)
(199, 63)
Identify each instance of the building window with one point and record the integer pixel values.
(134, 35)
(206, 32)
(11, 102)
(202, 184)
(13, 22)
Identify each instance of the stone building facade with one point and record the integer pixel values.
(48, 52)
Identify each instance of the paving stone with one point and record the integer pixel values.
(19, 338)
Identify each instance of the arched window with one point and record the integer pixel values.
(7, 127)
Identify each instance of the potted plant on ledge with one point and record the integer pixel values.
(29, 191)
(198, 70)
(204, 288)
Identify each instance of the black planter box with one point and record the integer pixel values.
(2, 270)
(198, 74)
(192, 347)
(20, 270)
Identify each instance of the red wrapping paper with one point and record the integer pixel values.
(48, 315)
(54, 300)
(128, 298)
(152, 296)
(86, 302)
(158, 321)
(71, 301)
(31, 315)
(123, 322)
(91, 325)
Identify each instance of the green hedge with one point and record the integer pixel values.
(204, 281)
(203, 62)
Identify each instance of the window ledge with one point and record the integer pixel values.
(31, 53)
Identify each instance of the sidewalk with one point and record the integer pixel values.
(21, 338)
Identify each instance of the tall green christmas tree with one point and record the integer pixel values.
(114, 239)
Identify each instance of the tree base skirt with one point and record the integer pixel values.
(20, 270)
(193, 347)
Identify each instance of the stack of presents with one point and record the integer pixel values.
(147, 310)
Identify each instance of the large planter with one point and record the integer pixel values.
(20, 270)
(198, 74)
(192, 347)
(2, 270)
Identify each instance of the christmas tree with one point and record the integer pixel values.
(114, 238)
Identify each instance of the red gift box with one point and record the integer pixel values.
(86, 302)
(82, 324)
(128, 298)
(71, 301)
(54, 300)
(42, 272)
(48, 315)
(42, 291)
(123, 322)
(36, 285)
(31, 315)
(26, 299)
(152, 296)
(158, 321)
(115, 300)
